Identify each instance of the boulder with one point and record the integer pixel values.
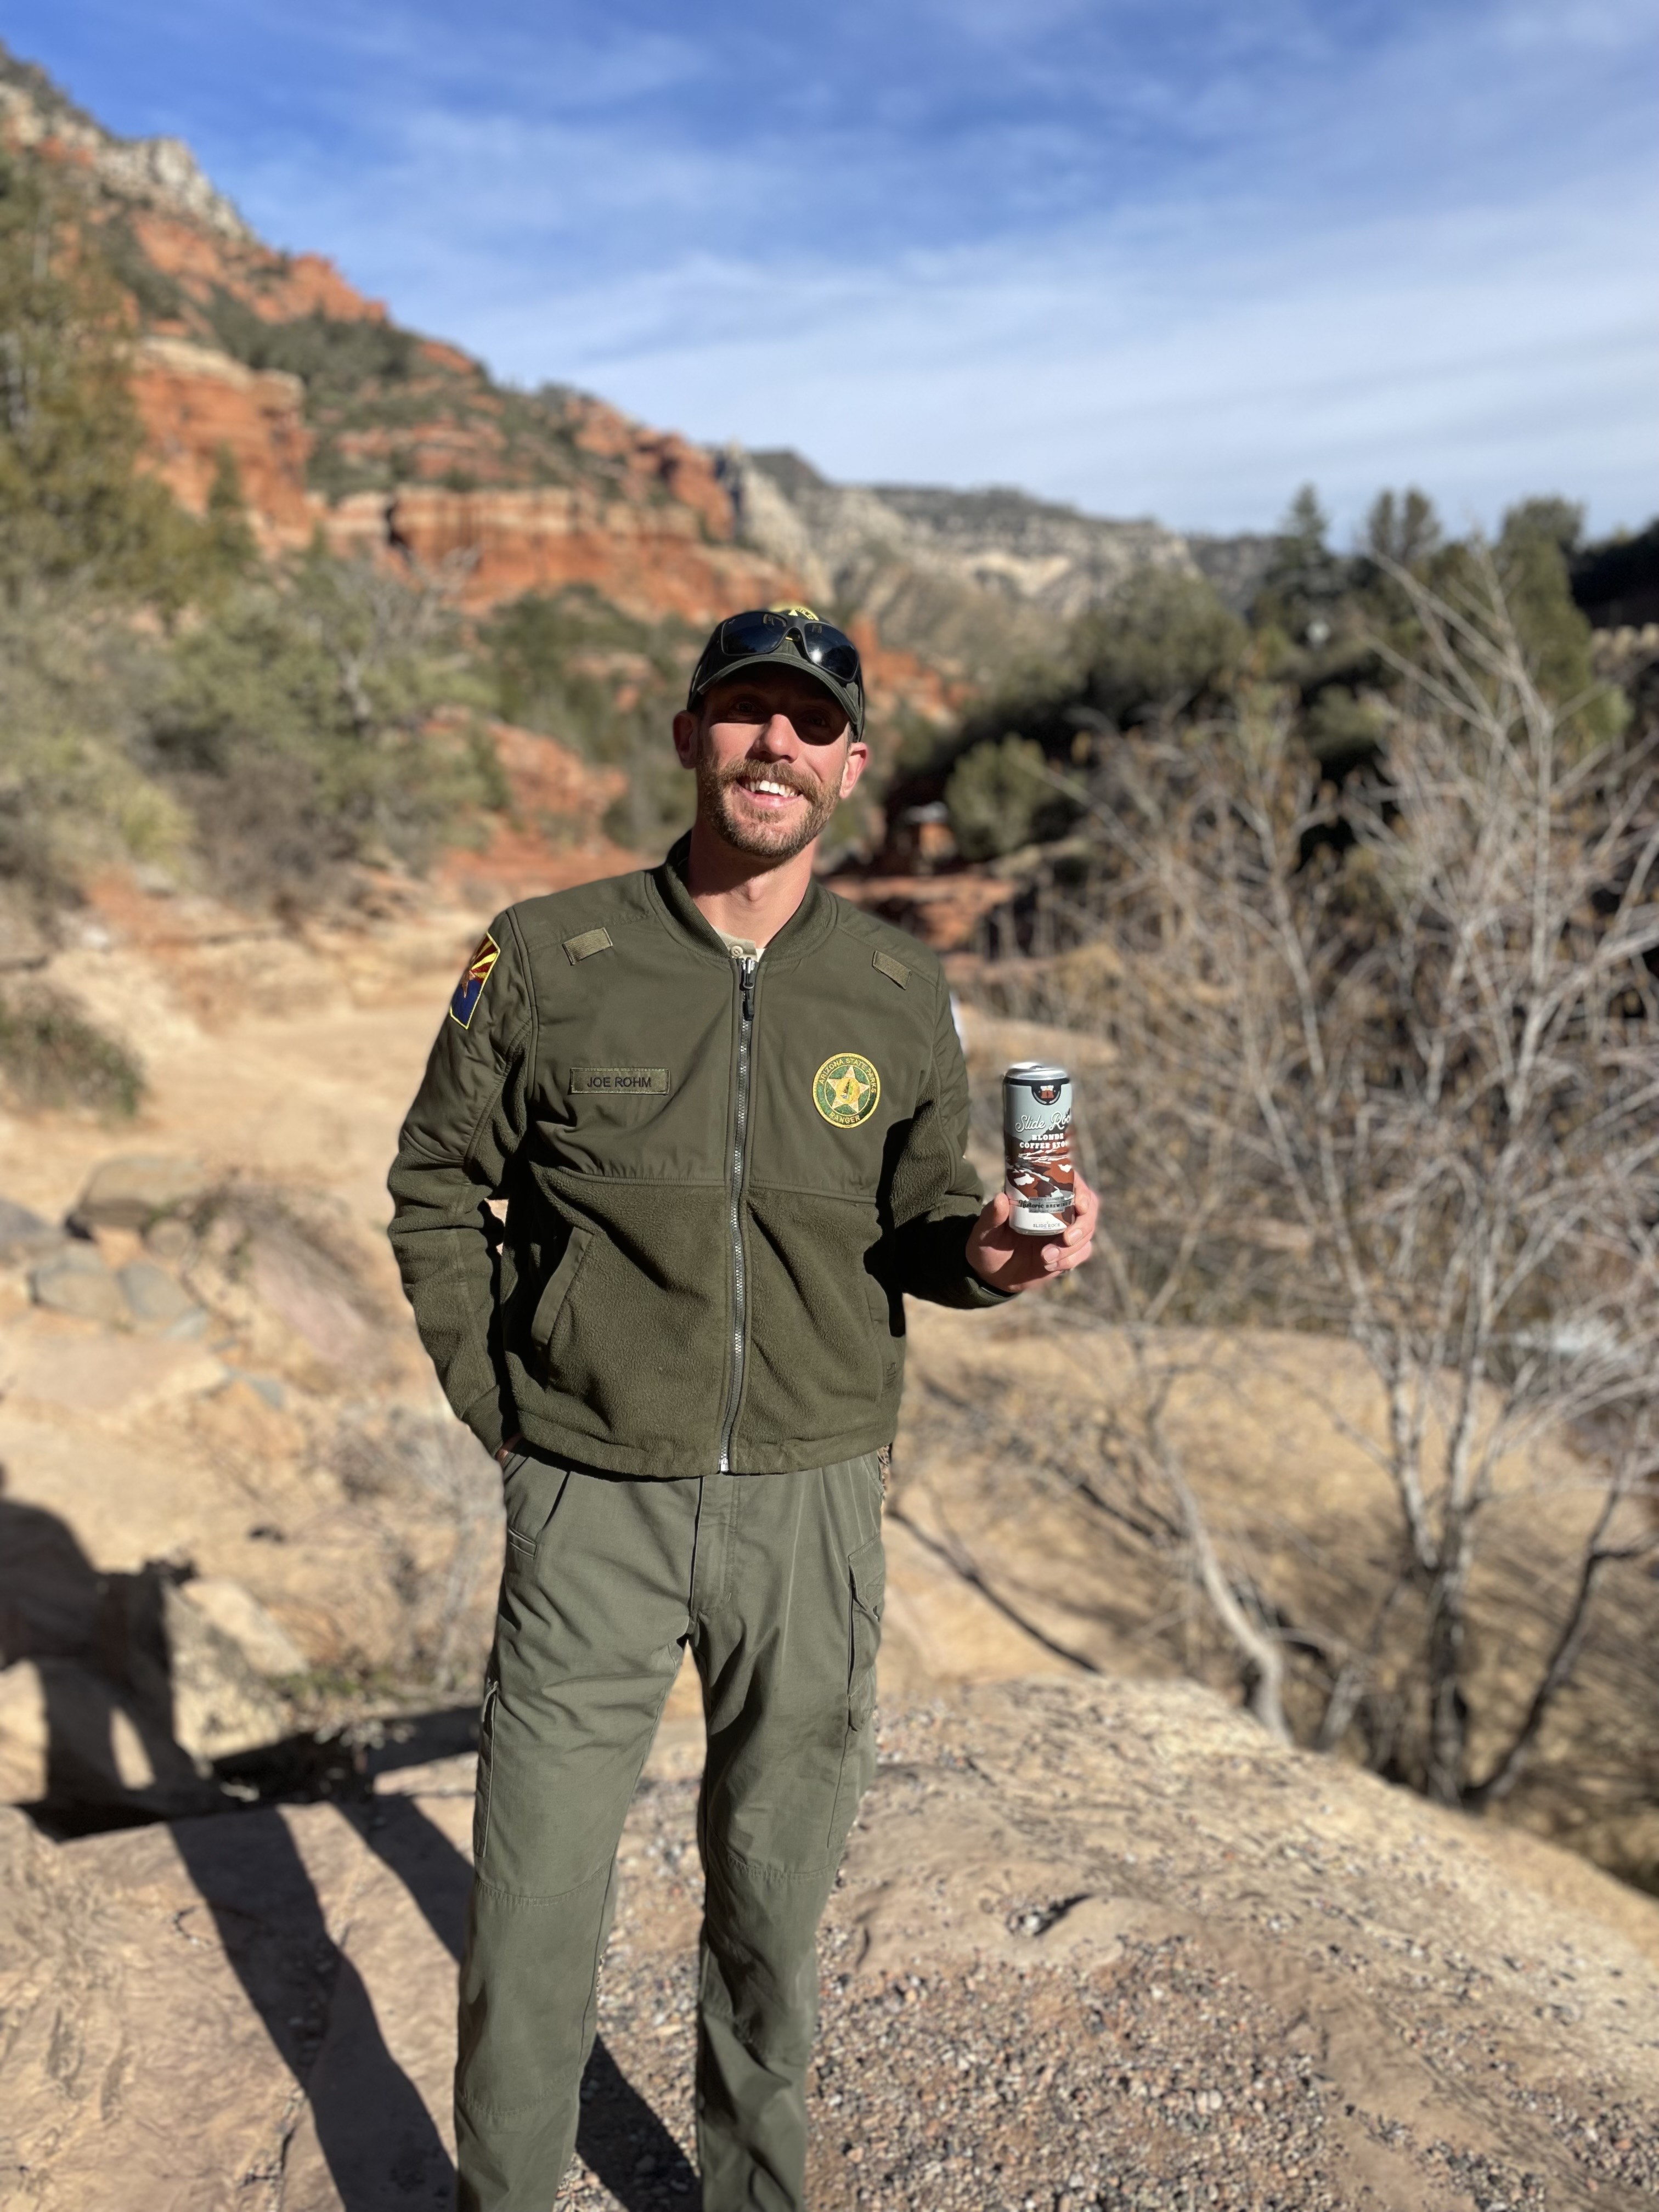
(78, 1744)
(119, 1687)
(134, 1189)
(24, 1735)
(220, 1703)
(23, 1235)
(238, 1614)
(77, 1281)
(170, 1238)
(159, 1305)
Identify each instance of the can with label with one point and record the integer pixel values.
(1036, 1135)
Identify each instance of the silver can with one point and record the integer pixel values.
(1036, 1135)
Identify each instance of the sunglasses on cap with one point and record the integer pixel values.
(767, 629)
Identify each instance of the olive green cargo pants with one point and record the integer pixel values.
(775, 1580)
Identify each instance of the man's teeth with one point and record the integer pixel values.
(778, 790)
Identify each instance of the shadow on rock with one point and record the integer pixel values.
(101, 1750)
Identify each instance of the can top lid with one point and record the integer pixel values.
(1037, 1071)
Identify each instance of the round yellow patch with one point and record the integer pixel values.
(845, 1090)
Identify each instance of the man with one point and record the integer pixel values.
(727, 1112)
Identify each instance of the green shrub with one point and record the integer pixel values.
(1161, 645)
(73, 680)
(997, 796)
(303, 726)
(51, 1057)
(73, 507)
(331, 355)
(1532, 553)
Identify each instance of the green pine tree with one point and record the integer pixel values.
(74, 506)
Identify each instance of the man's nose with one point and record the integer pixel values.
(780, 736)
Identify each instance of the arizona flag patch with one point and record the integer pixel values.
(469, 989)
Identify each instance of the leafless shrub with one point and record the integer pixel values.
(1385, 1069)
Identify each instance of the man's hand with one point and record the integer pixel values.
(504, 1452)
(1008, 1262)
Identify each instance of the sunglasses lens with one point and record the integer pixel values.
(826, 647)
(830, 650)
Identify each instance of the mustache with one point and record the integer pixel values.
(752, 772)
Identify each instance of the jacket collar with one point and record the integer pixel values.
(804, 931)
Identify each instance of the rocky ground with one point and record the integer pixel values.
(1099, 1942)
(1095, 1946)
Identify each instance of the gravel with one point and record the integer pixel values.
(967, 2062)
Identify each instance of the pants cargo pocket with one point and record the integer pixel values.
(866, 1582)
(481, 1793)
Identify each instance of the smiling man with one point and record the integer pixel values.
(727, 1113)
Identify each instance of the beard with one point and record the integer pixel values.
(761, 839)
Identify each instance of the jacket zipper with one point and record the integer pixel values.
(746, 968)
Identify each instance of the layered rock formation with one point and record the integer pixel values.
(404, 448)
(873, 544)
(197, 403)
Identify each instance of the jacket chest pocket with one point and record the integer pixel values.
(557, 1293)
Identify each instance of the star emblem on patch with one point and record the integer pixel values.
(845, 1090)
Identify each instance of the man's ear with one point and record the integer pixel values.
(858, 759)
(687, 726)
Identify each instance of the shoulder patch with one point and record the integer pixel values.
(894, 969)
(590, 941)
(469, 989)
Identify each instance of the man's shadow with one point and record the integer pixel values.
(100, 1644)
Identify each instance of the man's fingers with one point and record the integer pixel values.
(1083, 1222)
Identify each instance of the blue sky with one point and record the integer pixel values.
(1170, 259)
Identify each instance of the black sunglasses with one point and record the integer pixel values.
(763, 631)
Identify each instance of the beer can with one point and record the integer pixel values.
(1036, 1135)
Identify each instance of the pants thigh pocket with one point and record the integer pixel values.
(486, 1768)
(866, 1588)
(866, 1577)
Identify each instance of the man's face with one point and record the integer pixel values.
(774, 759)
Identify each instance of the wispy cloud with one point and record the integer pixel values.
(1164, 255)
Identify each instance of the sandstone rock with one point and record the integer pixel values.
(77, 1281)
(24, 1235)
(649, 556)
(1102, 1943)
(220, 1703)
(136, 1189)
(943, 911)
(85, 1373)
(76, 1743)
(118, 1685)
(50, 1595)
(238, 1614)
(195, 403)
(132, 1191)
(23, 1735)
(158, 1303)
(169, 1238)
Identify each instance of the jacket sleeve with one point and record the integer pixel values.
(935, 1193)
(457, 1146)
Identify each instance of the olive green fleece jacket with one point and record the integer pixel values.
(721, 1176)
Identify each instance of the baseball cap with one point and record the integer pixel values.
(784, 637)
